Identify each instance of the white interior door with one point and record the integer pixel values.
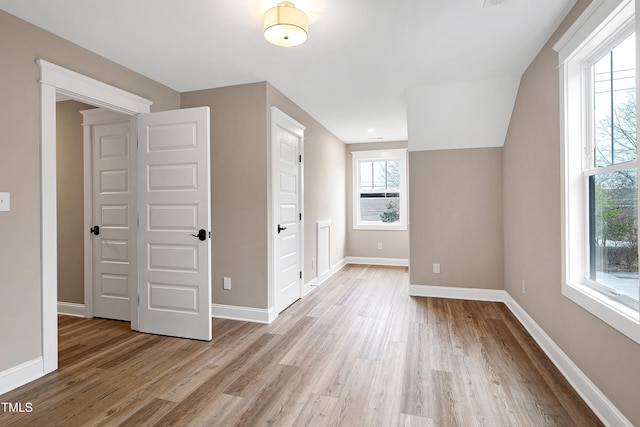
(286, 162)
(174, 215)
(113, 277)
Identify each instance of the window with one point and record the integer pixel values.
(379, 190)
(600, 164)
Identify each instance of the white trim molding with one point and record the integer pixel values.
(365, 156)
(314, 283)
(602, 26)
(53, 80)
(595, 399)
(21, 374)
(309, 286)
(336, 267)
(72, 309)
(494, 295)
(244, 314)
(400, 262)
(86, 89)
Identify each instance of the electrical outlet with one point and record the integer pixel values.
(226, 283)
(436, 268)
(313, 263)
(5, 202)
(379, 246)
(524, 287)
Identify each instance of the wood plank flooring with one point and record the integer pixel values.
(358, 351)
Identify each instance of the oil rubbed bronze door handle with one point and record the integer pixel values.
(280, 228)
(202, 234)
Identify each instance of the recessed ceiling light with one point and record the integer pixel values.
(371, 130)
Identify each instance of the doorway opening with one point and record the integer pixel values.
(54, 81)
(96, 211)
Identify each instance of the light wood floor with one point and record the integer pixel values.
(355, 352)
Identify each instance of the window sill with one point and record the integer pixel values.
(378, 227)
(617, 315)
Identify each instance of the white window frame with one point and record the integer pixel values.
(601, 24)
(399, 154)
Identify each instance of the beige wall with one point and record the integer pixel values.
(238, 191)
(20, 271)
(532, 238)
(70, 184)
(324, 182)
(456, 218)
(364, 243)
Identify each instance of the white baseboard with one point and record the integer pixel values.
(401, 262)
(245, 314)
(495, 295)
(315, 282)
(309, 286)
(594, 398)
(71, 309)
(336, 267)
(17, 376)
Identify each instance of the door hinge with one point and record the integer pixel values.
(138, 300)
(301, 216)
(301, 274)
(300, 157)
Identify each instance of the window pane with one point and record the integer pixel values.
(366, 175)
(614, 231)
(393, 175)
(380, 175)
(380, 207)
(615, 97)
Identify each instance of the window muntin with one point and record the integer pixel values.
(379, 183)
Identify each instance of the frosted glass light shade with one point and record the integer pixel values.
(284, 25)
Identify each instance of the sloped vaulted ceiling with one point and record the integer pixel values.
(441, 73)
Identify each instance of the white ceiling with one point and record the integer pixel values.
(367, 63)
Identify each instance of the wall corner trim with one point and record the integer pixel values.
(595, 399)
(21, 374)
(71, 309)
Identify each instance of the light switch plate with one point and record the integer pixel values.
(5, 202)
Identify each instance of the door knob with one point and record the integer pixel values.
(202, 234)
(280, 228)
(94, 230)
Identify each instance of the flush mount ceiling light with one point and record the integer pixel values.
(284, 25)
(490, 3)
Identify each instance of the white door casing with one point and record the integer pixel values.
(287, 138)
(58, 80)
(110, 267)
(174, 204)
